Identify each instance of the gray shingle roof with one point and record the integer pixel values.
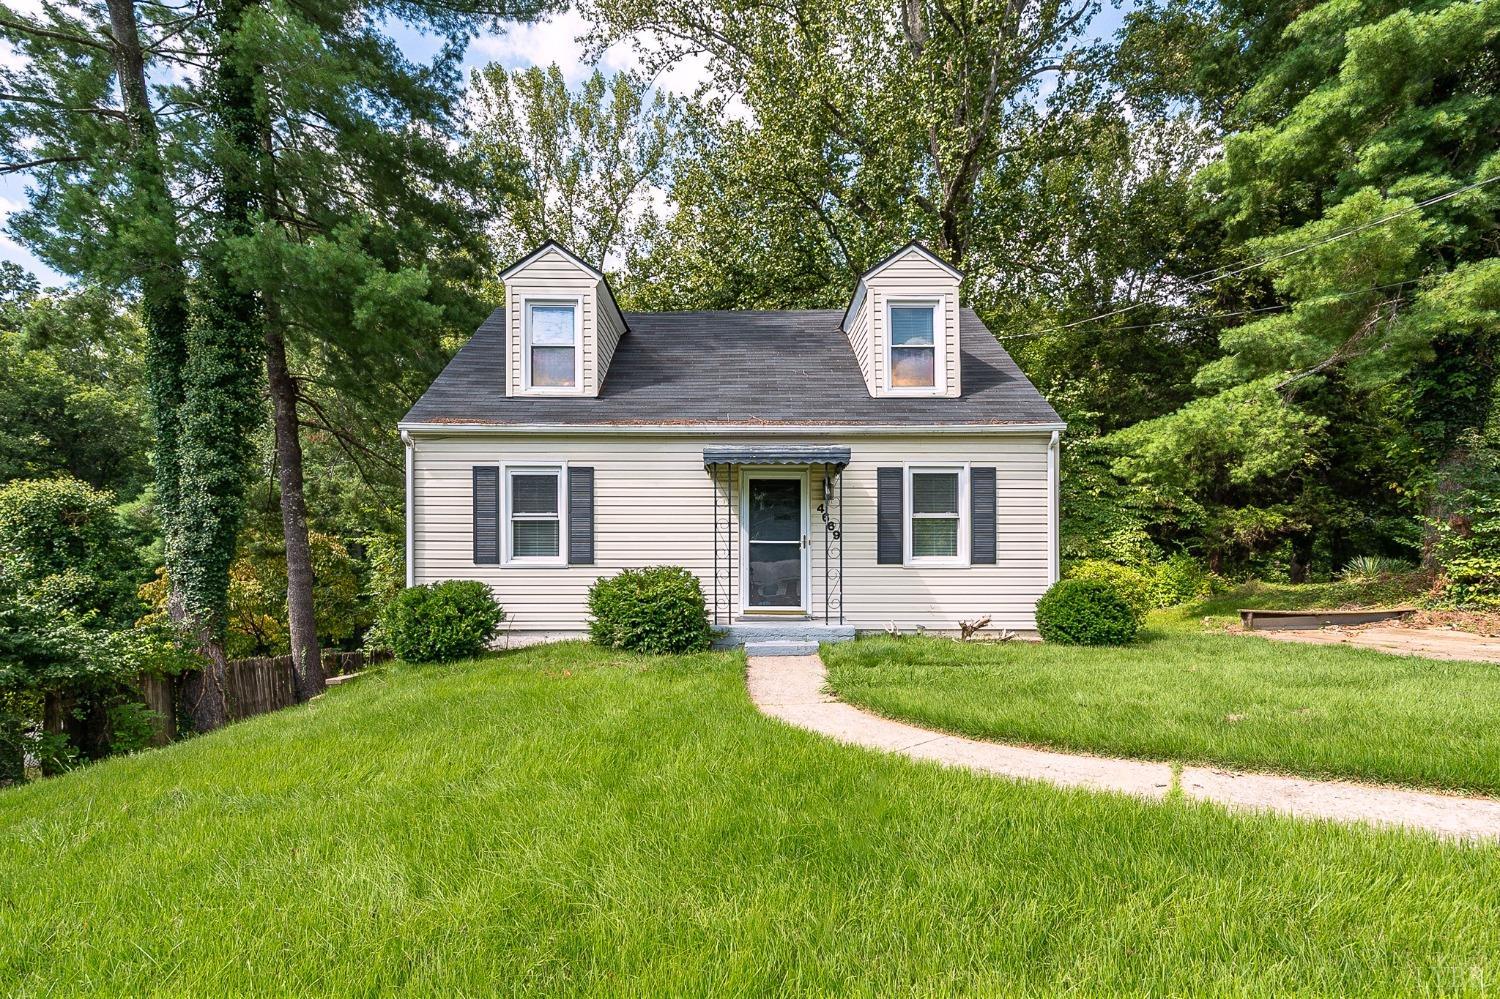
(791, 368)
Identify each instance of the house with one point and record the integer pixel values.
(819, 471)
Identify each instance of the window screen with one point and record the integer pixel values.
(934, 514)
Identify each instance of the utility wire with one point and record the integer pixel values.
(1193, 320)
(1225, 271)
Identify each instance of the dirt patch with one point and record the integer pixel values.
(1486, 623)
(1427, 643)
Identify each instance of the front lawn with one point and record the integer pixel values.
(1181, 694)
(563, 821)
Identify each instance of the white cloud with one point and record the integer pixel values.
(559, 39)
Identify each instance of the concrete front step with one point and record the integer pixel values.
(801, 633)
(781, 648)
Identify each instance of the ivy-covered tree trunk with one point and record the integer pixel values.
(164, 305)
(222, 400)
(307, 662)
(164, 299)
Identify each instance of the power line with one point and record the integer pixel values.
(1191, 320)
(1224, 271)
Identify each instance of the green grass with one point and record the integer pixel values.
(562, 821)
(1184, 694)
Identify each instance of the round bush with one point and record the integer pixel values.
(1134, 585)
(1085, 612)
(658, 610)
(442, 622)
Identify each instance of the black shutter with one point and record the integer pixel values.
(580, 516)
(889, 537)
(486, 515)
(982, 516)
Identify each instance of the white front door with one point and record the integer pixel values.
(775, 532)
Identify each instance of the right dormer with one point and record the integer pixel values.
(903, 325)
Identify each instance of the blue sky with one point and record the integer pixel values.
(554, 40)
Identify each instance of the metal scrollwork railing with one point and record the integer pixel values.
(723, 544)
(833, 543)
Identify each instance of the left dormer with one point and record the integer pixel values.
(562, 324)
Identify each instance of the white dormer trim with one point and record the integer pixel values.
(861, 288)
(939, 306)
(576, 302)
(553, 244)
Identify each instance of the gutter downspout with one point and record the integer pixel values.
(1053, 511)
(411, 569)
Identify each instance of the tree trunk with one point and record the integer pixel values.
(222, 399)
(1302, 553)
(307, 662)
(205, 693)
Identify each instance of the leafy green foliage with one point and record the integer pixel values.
(256, 607)
(1465, 524)
(1086, 612)
(1180, 579)
(588, 157)
(48, 648)
(71, 401)
(61, 542)
(442, 622)
(660, 610)
(1374, 292)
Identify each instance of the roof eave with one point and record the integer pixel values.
(735, 429)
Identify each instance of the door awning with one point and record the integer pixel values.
(775, 454)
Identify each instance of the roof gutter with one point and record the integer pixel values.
(728, 430)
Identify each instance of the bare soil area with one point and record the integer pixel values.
(1431, 642)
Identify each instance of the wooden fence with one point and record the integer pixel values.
(254, 687)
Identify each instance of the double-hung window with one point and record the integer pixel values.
(552, 353)
(913, 347)
(534, 516)
(937, 515)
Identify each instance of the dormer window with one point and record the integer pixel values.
(553, 360)
(914, 346)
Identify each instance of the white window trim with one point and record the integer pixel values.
(939, 307)
(560, 469)
(748, 472)
(962, 558)
(527, 303)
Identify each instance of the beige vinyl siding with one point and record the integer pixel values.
(913, 276)
(654, 504)
(611, 325)
(552, 274)
(859, 342)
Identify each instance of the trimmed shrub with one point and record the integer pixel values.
(443, 621)
(1085, 612)
(658, 610)
(1137, 587)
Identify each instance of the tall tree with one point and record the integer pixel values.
(366, 238)
(1361, 177)
(878, 122)
(77, 116)
(324, 214)
(589, 159)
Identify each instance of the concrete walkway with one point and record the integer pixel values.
(794, 689)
